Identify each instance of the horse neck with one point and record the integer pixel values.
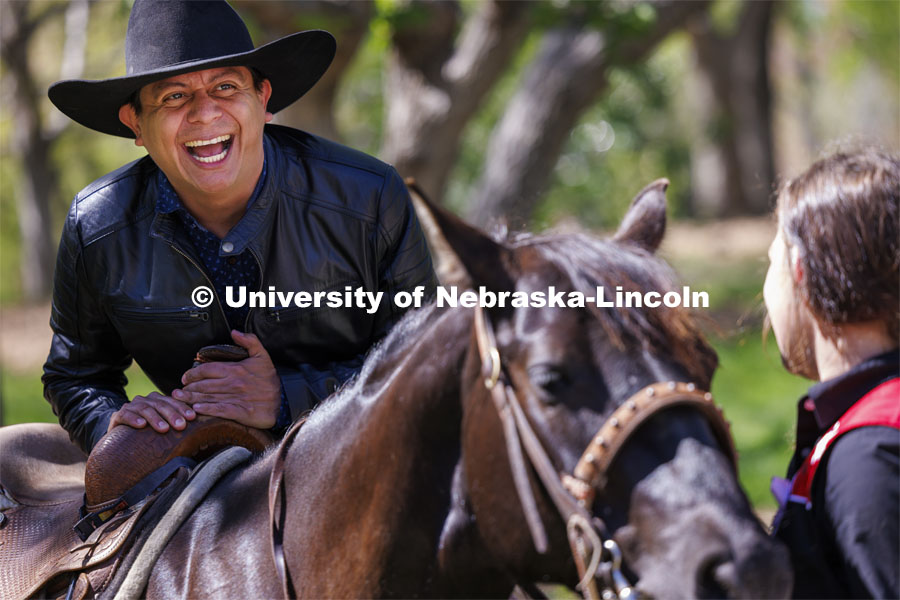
(370, 474)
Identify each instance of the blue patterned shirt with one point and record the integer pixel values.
(222, 268)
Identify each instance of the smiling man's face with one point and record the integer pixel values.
(205, 131)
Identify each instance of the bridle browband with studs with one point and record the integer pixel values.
(597, 556)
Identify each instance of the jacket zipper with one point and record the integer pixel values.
(259, 264)
(276, 313)
(208, 280)
(151, 314)
(290, 310)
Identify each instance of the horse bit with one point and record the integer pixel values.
(598, 558)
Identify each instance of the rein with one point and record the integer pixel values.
(597, 556)
(278, 509)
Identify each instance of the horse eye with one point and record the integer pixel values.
(548, 378)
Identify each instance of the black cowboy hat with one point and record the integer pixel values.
(167, 38)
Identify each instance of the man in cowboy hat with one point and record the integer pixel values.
(222, 201)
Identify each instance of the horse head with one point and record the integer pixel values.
(591, 454)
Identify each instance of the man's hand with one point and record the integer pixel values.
(248, 391)
(158, 410)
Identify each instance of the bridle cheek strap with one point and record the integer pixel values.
(581, 527)
(514, 423)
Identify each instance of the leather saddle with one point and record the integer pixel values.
(125, 456)
(41, 476)
(46, 482)
(39, 466)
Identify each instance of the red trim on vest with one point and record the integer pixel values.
(880, 407)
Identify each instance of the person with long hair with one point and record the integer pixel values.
(832, 297)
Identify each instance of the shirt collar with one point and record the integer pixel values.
(167, 200)
(834, 397)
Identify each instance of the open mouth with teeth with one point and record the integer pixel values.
(209, 151)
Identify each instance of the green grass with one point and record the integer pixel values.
(734, 285)
(760, 399)
(23, 395)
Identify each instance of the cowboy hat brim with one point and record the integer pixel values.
(293, 64)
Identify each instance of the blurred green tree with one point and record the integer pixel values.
(44, 157)
(732, 158)
(533, 111)
(34, 135)
(446, 57)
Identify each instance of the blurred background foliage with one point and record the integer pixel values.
(542, 114)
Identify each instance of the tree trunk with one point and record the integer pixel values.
(347, 20)
(32, 144)
(733, 167)
(436, 82)
(566, 77)
(73, 56)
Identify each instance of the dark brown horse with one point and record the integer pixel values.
(400, 485)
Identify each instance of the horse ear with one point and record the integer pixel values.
(463, 255)
(645, 222)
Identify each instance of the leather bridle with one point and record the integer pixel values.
(597, 556)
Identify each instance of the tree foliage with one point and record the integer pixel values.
(534, 112)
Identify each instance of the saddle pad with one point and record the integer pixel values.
(38, 543)
(39, 465)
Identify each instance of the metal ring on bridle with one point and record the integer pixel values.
(491, 381)
(585, 529)
(620, 583)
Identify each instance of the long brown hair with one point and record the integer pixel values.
(842, 216)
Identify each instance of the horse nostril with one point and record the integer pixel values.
(716, 577)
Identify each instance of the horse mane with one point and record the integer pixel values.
(665, 331)
(394, 346)
(587, 262)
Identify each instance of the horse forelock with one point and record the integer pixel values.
(588, 262)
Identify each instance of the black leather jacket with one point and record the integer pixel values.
(327, 217)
